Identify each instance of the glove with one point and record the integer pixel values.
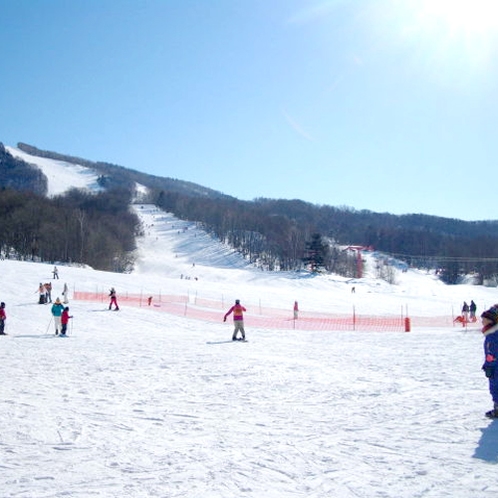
(489, 371)
(224, 318)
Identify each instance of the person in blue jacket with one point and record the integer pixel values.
(490, 330)
(57, 309)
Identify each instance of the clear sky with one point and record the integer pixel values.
(385, 105)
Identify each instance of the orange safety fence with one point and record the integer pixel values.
(212, 310)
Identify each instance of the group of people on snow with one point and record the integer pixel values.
(468, 314)
(45, 293)
(60, 315)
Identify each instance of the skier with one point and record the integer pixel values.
(65, 293)
(472, 309)
(296, 310)
(48, 292)
(64, 321)
(490, 330)
(465, 311)
(112, 295)
(238, 320)
(3, 317)
(56, 273)
(57, 309)
(41, 292)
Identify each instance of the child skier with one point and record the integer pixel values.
(490, 330)
(238, 320)
(64, 321)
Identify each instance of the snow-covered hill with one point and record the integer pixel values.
(61, 175)
(143, 403)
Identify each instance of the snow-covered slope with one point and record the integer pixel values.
(61, 175)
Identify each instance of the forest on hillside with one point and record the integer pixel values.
(284, 234)
(92, 229)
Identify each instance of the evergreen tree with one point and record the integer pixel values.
(316, 253)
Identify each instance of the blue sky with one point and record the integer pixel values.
(385, 105)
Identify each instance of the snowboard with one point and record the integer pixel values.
(226, 342)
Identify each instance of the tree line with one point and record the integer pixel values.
(79, 227)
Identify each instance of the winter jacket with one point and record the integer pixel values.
(65, 317)
(490, 351)
(237, 311)
(57, 309)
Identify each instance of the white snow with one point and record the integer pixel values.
(60, 175)
(143, 403)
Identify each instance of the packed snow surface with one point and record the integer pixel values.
(142, 403)
(60, 175)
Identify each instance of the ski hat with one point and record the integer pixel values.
(237, 301)
(2, 305)
(491, 314)
(57, 301)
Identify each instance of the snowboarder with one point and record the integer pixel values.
(3, 317)
(238, 320)
(64, 321)
(112, 295)
(57, 309)
(490, 330)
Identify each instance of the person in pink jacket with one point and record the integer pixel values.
(3, 317)
(238, 320)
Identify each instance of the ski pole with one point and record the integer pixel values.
(48, 326)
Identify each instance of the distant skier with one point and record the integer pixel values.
(238, 320)
(490, 330)
(465, 311)
(112, 295)
(65, 294)
(41, 294)
(65, 320)
(473, 309)
(296, 310)
(57, 309)
(3, 317)
(56, 273)
(48, 292)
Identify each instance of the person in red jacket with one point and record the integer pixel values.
(238, 320)
(64, 321)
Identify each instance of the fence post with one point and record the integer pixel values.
(407, 325)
